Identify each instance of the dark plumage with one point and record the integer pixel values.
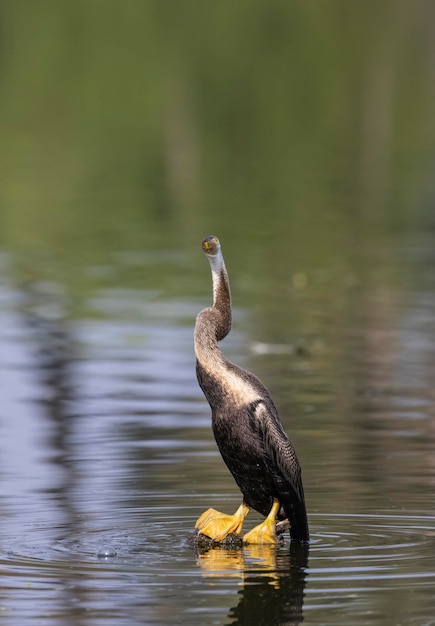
(245, 423)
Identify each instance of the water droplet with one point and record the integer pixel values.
(106, 552)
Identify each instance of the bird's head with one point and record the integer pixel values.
(211, 246)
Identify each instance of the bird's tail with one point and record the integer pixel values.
(297, 514)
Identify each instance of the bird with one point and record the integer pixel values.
(247, 429)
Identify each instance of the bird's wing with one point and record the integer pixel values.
(284, 462)
(285, 469)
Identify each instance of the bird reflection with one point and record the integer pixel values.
(234, 562)
(272, 591)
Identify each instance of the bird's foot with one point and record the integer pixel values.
(217, 525)
(266, 531)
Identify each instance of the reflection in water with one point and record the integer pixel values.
(263, 603)
(273, 585)
(54, 352)
(220, 559)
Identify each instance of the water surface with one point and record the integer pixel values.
(107, 459)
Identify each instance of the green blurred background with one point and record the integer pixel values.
(302, 133)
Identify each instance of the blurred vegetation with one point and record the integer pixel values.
(300, 132)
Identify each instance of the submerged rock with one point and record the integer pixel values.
(202, 543)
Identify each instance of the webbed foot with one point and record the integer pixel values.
(266, 531)
(217, 525)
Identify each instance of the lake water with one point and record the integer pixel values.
(107, 459)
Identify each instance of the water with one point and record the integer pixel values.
(107, 459)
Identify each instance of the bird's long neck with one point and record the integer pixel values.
(221, 296)
(214, 323)
(219, 379)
